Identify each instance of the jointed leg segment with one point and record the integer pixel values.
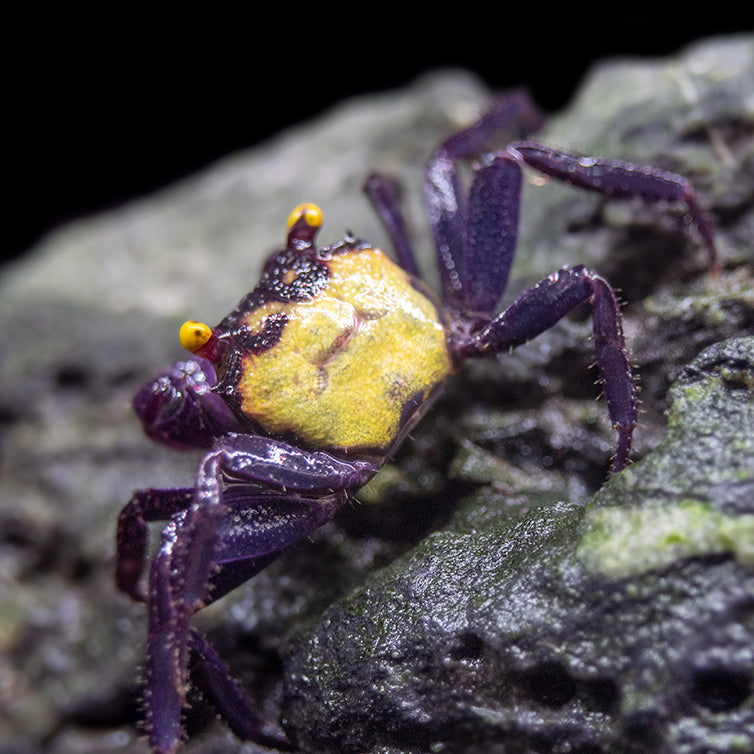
(621, 179)
(243, 510)
(541, 307)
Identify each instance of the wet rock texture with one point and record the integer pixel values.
(626, 625)
(479, 597)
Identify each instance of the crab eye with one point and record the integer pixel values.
(193, 335)
(311, 214)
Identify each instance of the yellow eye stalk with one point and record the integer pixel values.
(303, 224)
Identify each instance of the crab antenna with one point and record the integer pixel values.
(202, 340)
(303, 224)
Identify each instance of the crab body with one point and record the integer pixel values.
(297, 346)
(303, 391)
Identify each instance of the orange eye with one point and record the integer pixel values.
(193, 335)
(310, 213)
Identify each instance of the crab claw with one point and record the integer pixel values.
(179, 409)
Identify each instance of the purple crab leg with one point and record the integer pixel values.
(165, 679)
(475, 237)
(267, 523)
(177, 408)
(476, 242)
(262, 460)
(261, 523)
(490, 235)
(541, 307)
(618, 178)
(211, 674)
(282, 493)
(512, 114)
(447, 215)
(175, 583)
(131, 538)
(182, 578)
(489, 217)
(383, 193)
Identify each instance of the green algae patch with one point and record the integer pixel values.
(624, 542)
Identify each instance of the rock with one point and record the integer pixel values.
(94, 310)
(626, 625)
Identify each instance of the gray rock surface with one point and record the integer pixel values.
(496, 477)
(626, 625)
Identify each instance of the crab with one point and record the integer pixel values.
(309, 385)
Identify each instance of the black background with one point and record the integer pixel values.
(106, 103)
